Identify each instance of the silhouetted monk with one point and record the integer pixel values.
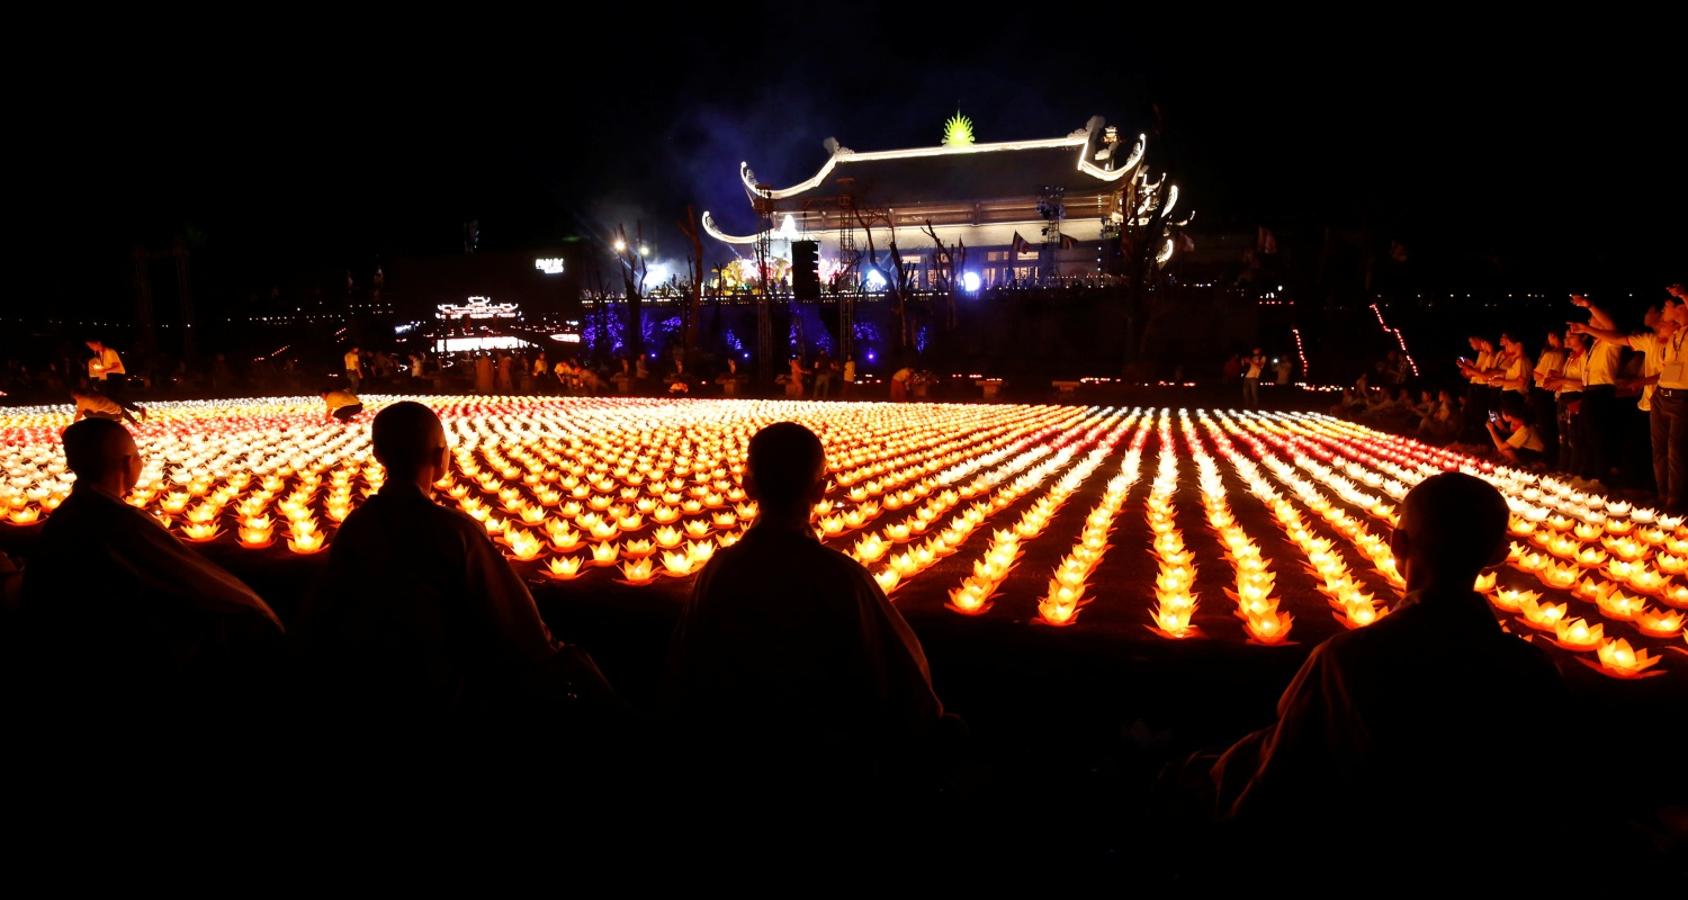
(788, 655)
(419, 614)
(1430, 730)
(124, 619)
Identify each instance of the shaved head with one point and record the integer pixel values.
(786, 467)
(101, 451)
(409, 439)
(1453, 524)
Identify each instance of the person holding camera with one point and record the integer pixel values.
(1515, 439)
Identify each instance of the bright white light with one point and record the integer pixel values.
(478, 308)
(875, 281)
(788, 228)
(620, 245)
(549, 265)
(658, 272)
(644, 250)
(471, 344)
(970, 282)
(566, 338)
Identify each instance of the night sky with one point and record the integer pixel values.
(285, 156)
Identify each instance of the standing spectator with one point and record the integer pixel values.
(849, 377)
(794, 381)
(1233, 368)
(1668, 412)
(1479, 400)
(1252, 367)
(1542, 408)
(1285, 367)
(418, 367)
(1567, 387)
(483, 373)
(354, 368)
(506, 371)
(823, 377)
(1598, 424)
(1512, 370)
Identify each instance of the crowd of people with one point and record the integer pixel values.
(106, 390)
(795, 685)
(1254, 367)
(1605, 406)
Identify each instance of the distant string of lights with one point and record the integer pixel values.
(1399, 339)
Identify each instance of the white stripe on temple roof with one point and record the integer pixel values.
(1082, 142)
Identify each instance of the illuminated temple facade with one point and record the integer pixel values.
(1026, 211)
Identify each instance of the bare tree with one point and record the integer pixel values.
(633, 281)
(694, 293)
(896, 286)
(947, 263)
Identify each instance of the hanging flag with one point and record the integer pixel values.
(1067, 242)
(1019, 245)
(1266, 242)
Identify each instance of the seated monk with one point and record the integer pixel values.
(789, 660)
(122, 618)
(1431, 731)
(419, 617)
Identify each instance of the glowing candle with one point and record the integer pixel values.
(1620, 660)
(1577, 635)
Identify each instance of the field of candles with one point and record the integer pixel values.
(1164, 526)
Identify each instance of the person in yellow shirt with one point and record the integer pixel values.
(1598, 419)
(98, 406)
(1514, 439)
(342, 405)
(108, 376)
(1666, 352)
(354, 367)
(1567, 387)
(1543, 408)
(1479, 397)
(107, 364)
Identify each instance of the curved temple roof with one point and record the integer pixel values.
(947, 175)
